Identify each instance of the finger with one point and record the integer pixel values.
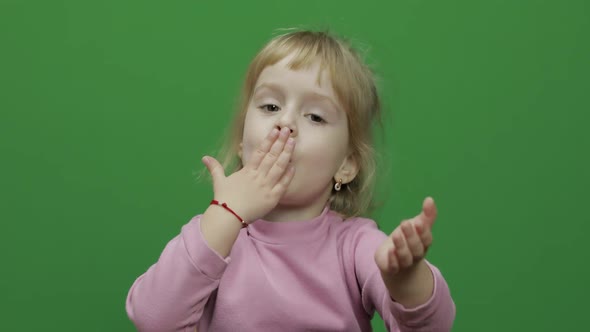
(275, 151)
(426, 238)
(413, 241)
(214, 168)
(429, 211)
(393, 265)
(281, 187)
(427, 216)
(381, 255)
(385, 258)
(263, 148)
(282, 163)
(401, 249)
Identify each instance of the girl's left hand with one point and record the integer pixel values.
(408, 243)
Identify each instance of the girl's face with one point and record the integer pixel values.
(286, 98)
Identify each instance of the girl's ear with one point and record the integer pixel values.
(348, 170)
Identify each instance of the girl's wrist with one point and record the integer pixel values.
(220, 229)
(412, 286)
(226, 207)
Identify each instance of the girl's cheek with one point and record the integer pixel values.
(247, 148)
(245, 153)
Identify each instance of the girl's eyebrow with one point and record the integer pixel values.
(269, 86)
(309, 94)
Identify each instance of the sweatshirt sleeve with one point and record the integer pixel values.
(437, 314)
(172, 293)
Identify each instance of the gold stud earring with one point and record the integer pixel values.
(338, 185)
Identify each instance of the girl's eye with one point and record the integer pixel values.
(270, 107)
(316, 118)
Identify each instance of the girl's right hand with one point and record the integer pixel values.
(256, 189)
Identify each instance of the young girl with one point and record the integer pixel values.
(282, 246)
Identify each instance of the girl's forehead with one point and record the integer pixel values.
(311, 75)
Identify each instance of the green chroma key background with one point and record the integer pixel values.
(106, 108)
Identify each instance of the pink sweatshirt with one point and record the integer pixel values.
(314, 275)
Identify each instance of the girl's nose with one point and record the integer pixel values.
(288, 118)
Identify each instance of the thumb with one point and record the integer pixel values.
(214, 168)
(429, 211)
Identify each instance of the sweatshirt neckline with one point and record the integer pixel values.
(289, 232)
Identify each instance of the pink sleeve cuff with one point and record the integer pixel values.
(423, 315)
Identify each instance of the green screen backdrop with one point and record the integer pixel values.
(106, 108)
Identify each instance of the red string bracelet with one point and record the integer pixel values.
(224, 205)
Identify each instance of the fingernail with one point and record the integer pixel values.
(290, 141)
(274, 132)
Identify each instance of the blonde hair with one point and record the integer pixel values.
(354, 85)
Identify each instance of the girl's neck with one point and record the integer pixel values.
(297, 212)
